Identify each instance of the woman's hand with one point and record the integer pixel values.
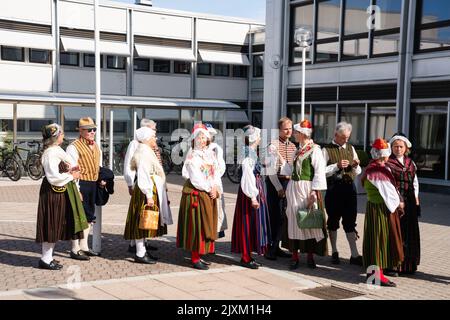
(213, 193)
(150, 202)
(255, 204)
(75, 175)
(402, 205)
(312, 199)
(417, 202)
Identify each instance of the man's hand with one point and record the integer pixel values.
(102, 183)
(356, 163)
(343, 164)
(281, 193)
(130, 190)
(255, 204)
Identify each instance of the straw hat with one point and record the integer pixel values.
(86, 123)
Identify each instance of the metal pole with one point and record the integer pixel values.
(111, 138)
(97, 235)
(303, 82)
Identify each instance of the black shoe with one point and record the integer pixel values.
(91, 253)
(283, 254)
(200, 266)
(257, 263)
(358, 261)
(390, 272)
(206, 263)
(294, 264)
(251, 264)
(80, 255)
(152, 256)
(335, 258)
(270, 256)
(145, 259)
(388, 283)
(49, 266)
(150, 247)
(311, 263)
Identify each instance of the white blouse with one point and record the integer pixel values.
(319, 181)
(147, 166)
(248, 180)
(388, 192)
(333, 168)
(50, 160)
(199, 168)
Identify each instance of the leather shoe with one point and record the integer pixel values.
(206, 263)
(270, 256)
(294, 264)
(91, 253)
(358, 261)
(49, 266)
(250, 264)
(80, 255)
(200, 266)
(283, 254)
(390, 272)
(335, 258)
(388, 283)
(145, 260)
(257, 263)
(152, 256)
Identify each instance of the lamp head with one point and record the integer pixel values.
(303, 37)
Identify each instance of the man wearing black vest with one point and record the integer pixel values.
(340, 200)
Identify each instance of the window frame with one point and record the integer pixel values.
(11, 47)
(204, 64)
(161, 60)
(225, 66)
(77, 54)
(181, 63)
(254, 74)
(239, 74)
(141, 60)
(49, 56)
(93, 55)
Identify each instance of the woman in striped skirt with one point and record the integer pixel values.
(251, 230)
(150, 189)
(197, 217)
(382, 244)
(60, 212)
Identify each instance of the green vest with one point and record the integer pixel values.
(307, 170)
(336, 154)
(373, 195)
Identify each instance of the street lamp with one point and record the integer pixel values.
(303, 38)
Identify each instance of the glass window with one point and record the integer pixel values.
(189, 118)
(434, 29)
(387, 44)
(434, 39)
(240, 71)
(382, 122)
(116, 62)
(429, 140)
(303, 18)
(69, 59)
(295, 113)
(12, 54)
(141, 64)
(204, 69)
(258, 66)
(329, 19)
(39, 56)
(355, 115)
(89, 60)
(327, 52)
(183, 67)
(356, 16)
(391, 13)
(161, 66)
(324, 123)
(356, 49)
(166, 120)
(221, 70)
(434, 10)
(72, 115)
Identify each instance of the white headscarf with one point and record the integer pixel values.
(144, 134)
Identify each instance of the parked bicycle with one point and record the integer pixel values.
(166, 155)
(9, 166)
(118, 158)
(31, 164)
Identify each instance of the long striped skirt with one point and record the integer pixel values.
(197, 221)
(251, 227)
(382, 244)
(137, 203)
(55, 216)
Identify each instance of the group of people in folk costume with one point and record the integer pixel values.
(265, 214)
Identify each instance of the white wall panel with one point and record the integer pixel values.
(83, 81)
(149, 85)
(38, 11)
(431, 67)
(227, 89)
(222, 32)
(25, 77)
(81, 16)
(159, 25)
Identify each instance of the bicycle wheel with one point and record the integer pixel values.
(166, 162)
(178, 168)
(234, 173)
(34, 167)
(13, 169)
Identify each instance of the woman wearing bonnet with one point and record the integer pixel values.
(151, 191)
(60, 212)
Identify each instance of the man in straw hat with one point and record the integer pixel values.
(87, 154)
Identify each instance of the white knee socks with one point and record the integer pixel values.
(333, 240)
(351, 237)
(140, 248)
(75, 246)
(84, 242)
(47, 252)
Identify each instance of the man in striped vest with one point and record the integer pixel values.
(340, 200)
(86, 153)
(276, 183)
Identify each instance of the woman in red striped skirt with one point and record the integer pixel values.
(197, 217)
(251, 231)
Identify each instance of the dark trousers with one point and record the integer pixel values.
(341, 202)
(89, 191)
(277, 213)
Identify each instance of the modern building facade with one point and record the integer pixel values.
(171, 66)
(382, 65)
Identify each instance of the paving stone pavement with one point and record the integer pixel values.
(115, 276)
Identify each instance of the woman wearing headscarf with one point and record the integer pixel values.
(251, 229)
(151, 191)
(382, 243)
(60, 212)
(304, 192)
(404, 171)
(197, 217)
